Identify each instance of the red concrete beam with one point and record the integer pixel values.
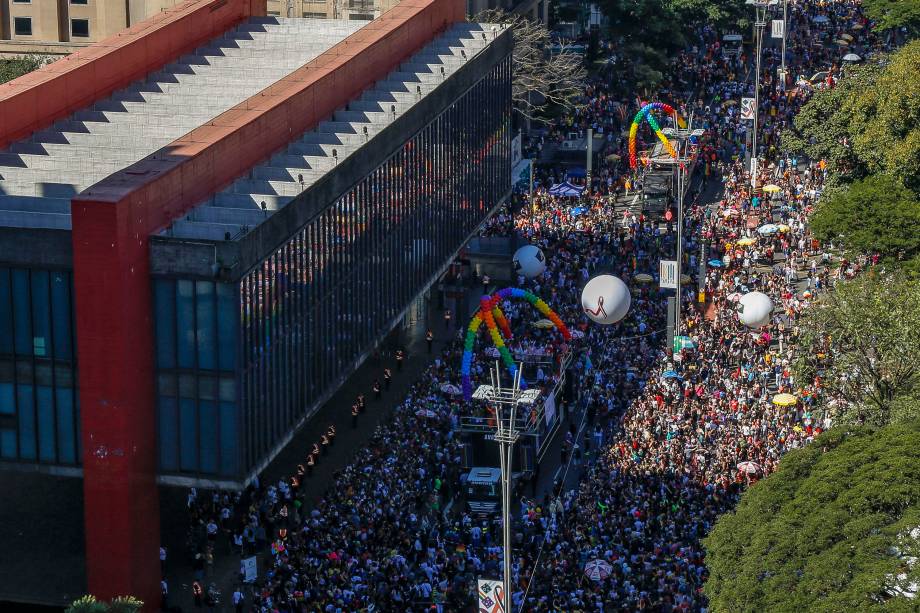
(37, 100)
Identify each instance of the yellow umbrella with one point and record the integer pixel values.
(543, 323)
(785, 400)
(770, 189)
(782, 227)
(842, 42)
(685, 278)
(847, 37)
(643, 277)
(747, 241)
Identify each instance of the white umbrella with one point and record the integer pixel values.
(769, 228)
(751, 468)
(597, 570)
(851, 57)
(451, 389)
(426, 413)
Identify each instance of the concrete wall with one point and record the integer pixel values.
(37, 99)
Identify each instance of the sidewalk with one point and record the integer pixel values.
(337, 411)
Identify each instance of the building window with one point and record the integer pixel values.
(308, 15)
(79, 1)
(22, 1)
(79, 28)
(273, 13)
(22, 26)
(361, 16)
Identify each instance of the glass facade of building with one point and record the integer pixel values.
(197, 336)
(39, 403)
(239, 365)
(325, 297)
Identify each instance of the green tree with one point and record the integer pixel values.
(869, 123)
(89, 604)
(872, 215)
(16, 67)
(832, 530)
(868, 329)
(889, 14)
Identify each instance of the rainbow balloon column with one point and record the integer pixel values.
(491, 314)
(646, 113)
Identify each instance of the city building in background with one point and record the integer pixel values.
(330, 9)
(176, 296)
(59, 27)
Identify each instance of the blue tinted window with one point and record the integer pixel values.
(46, 423)
(169, 440)
(164, 295)
(188, 434)
(185, 323)
(229, 446)
(7, 399)
(8, 444)
(41, 314)
(208, 421)
(60, 314)
(226, 326)
(6, 312)
(207, 316)
(65, 426)
(21, 312)
(27, 449)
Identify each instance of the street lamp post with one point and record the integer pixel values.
(505, 400)
(683, 143)
(760, 22)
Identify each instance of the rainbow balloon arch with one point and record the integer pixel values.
(646, 113)
(490, 313)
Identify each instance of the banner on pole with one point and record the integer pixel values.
(747, 108)
(667, 274)
(491, 596)
(249, 569)
(779, 27)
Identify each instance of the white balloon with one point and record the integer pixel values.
(605, 299)
(529, 261)
(755, 309)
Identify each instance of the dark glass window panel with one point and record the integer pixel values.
(22, 313)
(26, 396)
(66, 426)
(164, 297)
(61, 315)
(168, 434)
(185, 323)
(46, 426)
(206, 324)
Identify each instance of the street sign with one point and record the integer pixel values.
(778, 28)
(668, 274)
(747, 108)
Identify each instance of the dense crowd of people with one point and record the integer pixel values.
(669, 438)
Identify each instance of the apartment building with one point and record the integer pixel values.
(330, 9)
(59, 27)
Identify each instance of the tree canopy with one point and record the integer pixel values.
(889, 14)
(869, 123)
(16, 67)
(868, 331)
(829, 531)
(873, 215)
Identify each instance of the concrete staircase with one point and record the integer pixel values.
(277, 181)
(134, 122)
